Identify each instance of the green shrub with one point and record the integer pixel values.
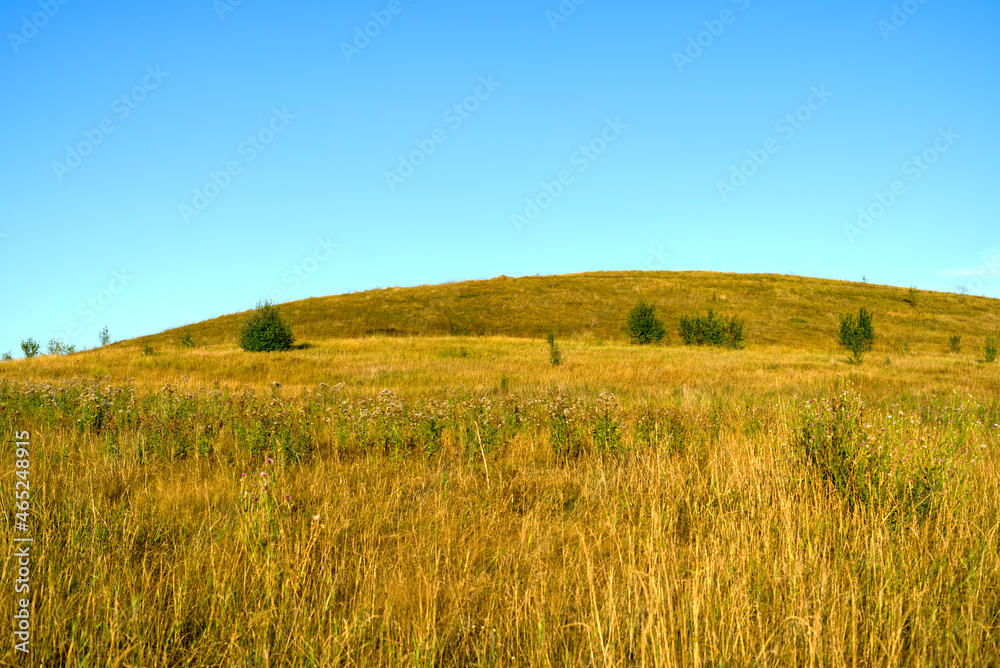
(643, 326)
(712, 330)
(57, 347)
(265, 330)
(104, 336)
(30, 348)
(186, 340)
(555, 355)
(911, 296)
(7, 356)
(955, 343)
(147, 349)
(857, 335)
(990, 351)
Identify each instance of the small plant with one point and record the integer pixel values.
(105, 338)
(186, 340)
(265, 330)
(57, 347)
(990, 350)
(911, 296)
(904, 347)
(857, 335)
(555, 355)
(712, 330)
(147, 349)
(7, 356)
(643, 326)
(30, 348)
(955, 343)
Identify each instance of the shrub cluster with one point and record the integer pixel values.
(643, 326)
(857, 334)
(712, 330)
(265, 330)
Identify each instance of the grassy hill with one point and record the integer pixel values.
(487, 334)
(785, 310)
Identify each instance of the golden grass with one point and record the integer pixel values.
(731, 554)
(416, 365)
(730, 550)
(793, 311)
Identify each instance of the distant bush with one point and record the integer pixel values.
(643, 326)
(911, 296)
(555, 355)
(30, 348)
(7, 356)
(712, 330)
(955, 343)
(104, 336)
(186, 341)
(990, 350)
(147, 349)
(265, 330)
(857, 335)
(57, 347)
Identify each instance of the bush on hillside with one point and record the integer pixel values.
(857, 334)
(30, 348)
(643, 326)
(57, 347)
(555, 355)
(712, 330)
(990, 350)
(265, 330)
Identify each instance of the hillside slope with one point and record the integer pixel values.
(784, 310)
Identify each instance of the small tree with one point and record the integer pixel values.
(7, 356)
(30, 348)
(643, 326)
(555, 355)
(187, 341)
(265, 330)
(857, 335)
(711, 330)
(104, 336)
(57, 347)
(955, 343)
(990, 351)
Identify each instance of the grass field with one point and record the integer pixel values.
(454, 499)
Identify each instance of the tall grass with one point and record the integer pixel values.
(341, 526)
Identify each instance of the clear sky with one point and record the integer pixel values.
(164, 163)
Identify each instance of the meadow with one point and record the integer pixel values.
(455, 499)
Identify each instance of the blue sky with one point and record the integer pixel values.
(164, 163)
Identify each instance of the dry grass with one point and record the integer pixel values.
(494, 510)
(710, 542)
(793, 311)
